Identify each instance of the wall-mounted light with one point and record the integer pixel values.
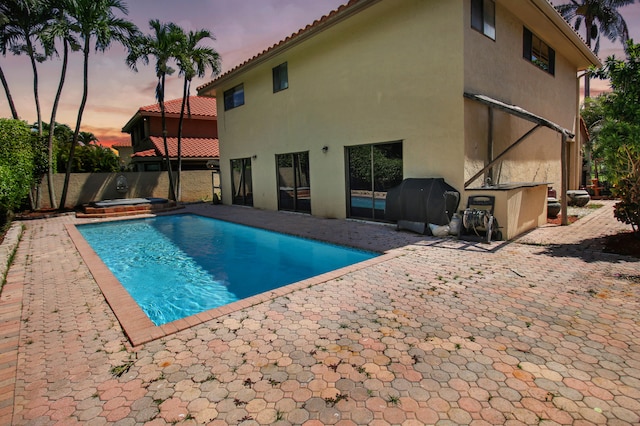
(325, 149)
(255, 157)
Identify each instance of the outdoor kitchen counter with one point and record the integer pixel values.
(519, 206)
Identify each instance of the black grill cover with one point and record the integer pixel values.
(429, 200)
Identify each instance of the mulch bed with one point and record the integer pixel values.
(624, 243)
(558, 220)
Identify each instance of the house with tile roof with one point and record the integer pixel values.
(480, 93)
(125, 152)
(199, 135)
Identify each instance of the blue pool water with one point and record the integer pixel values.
(365, 202)
(180, 265)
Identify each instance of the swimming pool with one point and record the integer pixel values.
(180, 265)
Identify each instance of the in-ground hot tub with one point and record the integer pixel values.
(128, 202)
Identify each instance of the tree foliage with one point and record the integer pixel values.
(97, 25)
(598, 17)
(18, 164)
(619, 135)
(89, 157)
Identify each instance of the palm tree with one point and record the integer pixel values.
(23, 24)
(61, 29)
(163, 46)
(600, 17)
(4, 20)
(193, 61)
(87, 138)
(95, 19)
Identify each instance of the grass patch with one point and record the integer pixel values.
(119, 370)
(11, 256)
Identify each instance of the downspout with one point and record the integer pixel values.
(565, 180)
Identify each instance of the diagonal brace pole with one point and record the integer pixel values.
(502, 154)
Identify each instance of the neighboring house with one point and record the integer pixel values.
(329, 119)
(125, 152)
(199, 135)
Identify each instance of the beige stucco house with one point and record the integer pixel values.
(378, 91)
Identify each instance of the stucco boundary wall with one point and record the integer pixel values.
(197, 185)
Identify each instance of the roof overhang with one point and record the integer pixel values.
(335, 17)
(520, 112)
(127, 127)
(545, 21)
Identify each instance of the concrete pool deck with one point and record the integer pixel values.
(542, 330)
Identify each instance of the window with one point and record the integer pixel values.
(234, 97)
(538, 52)
(373, 170)
(483, 17)
(280, 78)
(241, 182)
(294, 191)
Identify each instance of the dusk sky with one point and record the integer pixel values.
(242, 29)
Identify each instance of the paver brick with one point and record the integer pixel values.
(435, 332)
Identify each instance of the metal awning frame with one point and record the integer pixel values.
(539, 123)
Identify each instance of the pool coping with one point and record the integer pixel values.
(137, 326)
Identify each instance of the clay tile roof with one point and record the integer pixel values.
(191, 148)
(200, 106)
(122, 145)
(148, 153)
(293, 37)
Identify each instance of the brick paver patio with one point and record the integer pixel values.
(544, 330)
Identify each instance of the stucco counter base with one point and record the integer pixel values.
(519, 207)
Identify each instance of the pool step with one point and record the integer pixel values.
(117, 211)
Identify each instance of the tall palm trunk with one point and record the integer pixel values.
(74, 141)
(14, 112)
(52, 124)
(185, 99)
(587, 78)
(36, 96)
(172, 188)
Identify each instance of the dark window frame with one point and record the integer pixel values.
(483, 17)
(296, 198)
(243, 192)
(539, 53)
(234, 97)
(280, 75)
(372, 183)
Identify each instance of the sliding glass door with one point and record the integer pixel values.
(294, 192)
(241, 182)
(373, 170)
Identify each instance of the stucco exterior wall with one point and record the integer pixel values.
(498, 69)
(393, 72)
(86, 187)
(517, 210)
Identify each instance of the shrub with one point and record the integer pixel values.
(618, 141)
(17, 165)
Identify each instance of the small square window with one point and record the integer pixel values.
(483, 17)
(280, 78)
(234, 97)
(538, 52)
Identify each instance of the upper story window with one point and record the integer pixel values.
(483, 17)
(234, 97)
(538, 52)
(280, 78)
